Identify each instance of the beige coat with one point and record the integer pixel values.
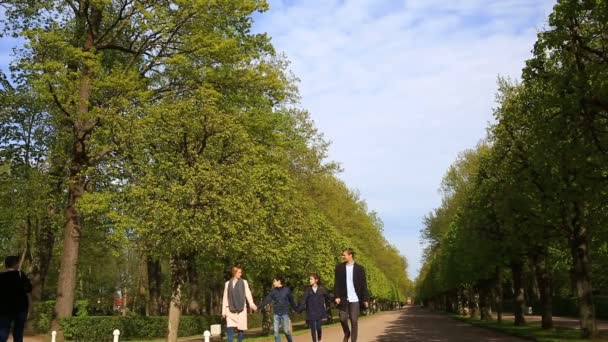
(237, 320)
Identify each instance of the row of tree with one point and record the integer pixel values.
(532, 200)
(150, 145)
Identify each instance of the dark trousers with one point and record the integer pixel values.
(18, 323)
(315, 330)
(350, 311)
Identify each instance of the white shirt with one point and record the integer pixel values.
(350, 285)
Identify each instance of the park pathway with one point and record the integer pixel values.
(412, 324)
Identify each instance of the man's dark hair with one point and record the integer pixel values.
(281, 279)
(11, 261)
(350, 251)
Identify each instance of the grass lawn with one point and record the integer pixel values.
(532, 331)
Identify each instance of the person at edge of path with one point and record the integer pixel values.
(15, 289)
(237, 297)
(313, 302)
(282, 301)
(350, 291)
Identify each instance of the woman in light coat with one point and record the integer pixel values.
(234, 304)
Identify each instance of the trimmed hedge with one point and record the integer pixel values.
(100, 328)
(84, 328)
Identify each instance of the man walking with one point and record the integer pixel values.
(350, 291)
(14, 299)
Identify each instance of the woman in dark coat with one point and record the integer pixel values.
(313, 302)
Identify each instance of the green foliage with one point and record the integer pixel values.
(534, 193)
(100, 328)
(169, 133)
(42, 315)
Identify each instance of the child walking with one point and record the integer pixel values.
(313, 302)
(282, 301)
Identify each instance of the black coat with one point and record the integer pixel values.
(14, 289)
(314, 303)
(359, 280)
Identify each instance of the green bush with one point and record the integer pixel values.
(145, 327)
(81, 308)
(100, 328)
(91, 328)
(42, 315)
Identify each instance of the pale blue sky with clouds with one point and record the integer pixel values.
(399, 87)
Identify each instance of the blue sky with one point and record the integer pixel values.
(399, 87)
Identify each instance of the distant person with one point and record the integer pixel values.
(282, 301)
(350, 291)
(313, 301)
(15, 289)
(234, 304)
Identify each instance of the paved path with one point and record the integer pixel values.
(412, 324)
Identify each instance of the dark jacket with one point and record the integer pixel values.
(314, 303)
(359, 281)
(281, 299)
(14, 288)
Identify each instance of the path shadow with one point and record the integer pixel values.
(417, 324)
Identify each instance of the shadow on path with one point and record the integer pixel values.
(418, 324)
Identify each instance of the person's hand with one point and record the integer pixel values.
(338, 301)
(254, 307)
(224, 316)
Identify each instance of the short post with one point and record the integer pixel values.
(207, 334)
(53, 336)
(529, 310)
(216, 330)
(116, 334)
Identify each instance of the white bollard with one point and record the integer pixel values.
(53, 336)
(116, 334)
(207, 334)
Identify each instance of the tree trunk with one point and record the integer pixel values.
(179, 271)
(473, 298)
(462, 302)
(498, 294)
(485, 300)
(154, 286)
(519, 301)
(125, 299)
(71, 243)
(581, 265)
(195, 293)
(543, 279)
(82, 129)
(43, 254)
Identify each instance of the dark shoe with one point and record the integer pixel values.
(346, 337)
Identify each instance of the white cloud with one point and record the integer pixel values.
(401, 87)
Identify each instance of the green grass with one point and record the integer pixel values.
(531, 331)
